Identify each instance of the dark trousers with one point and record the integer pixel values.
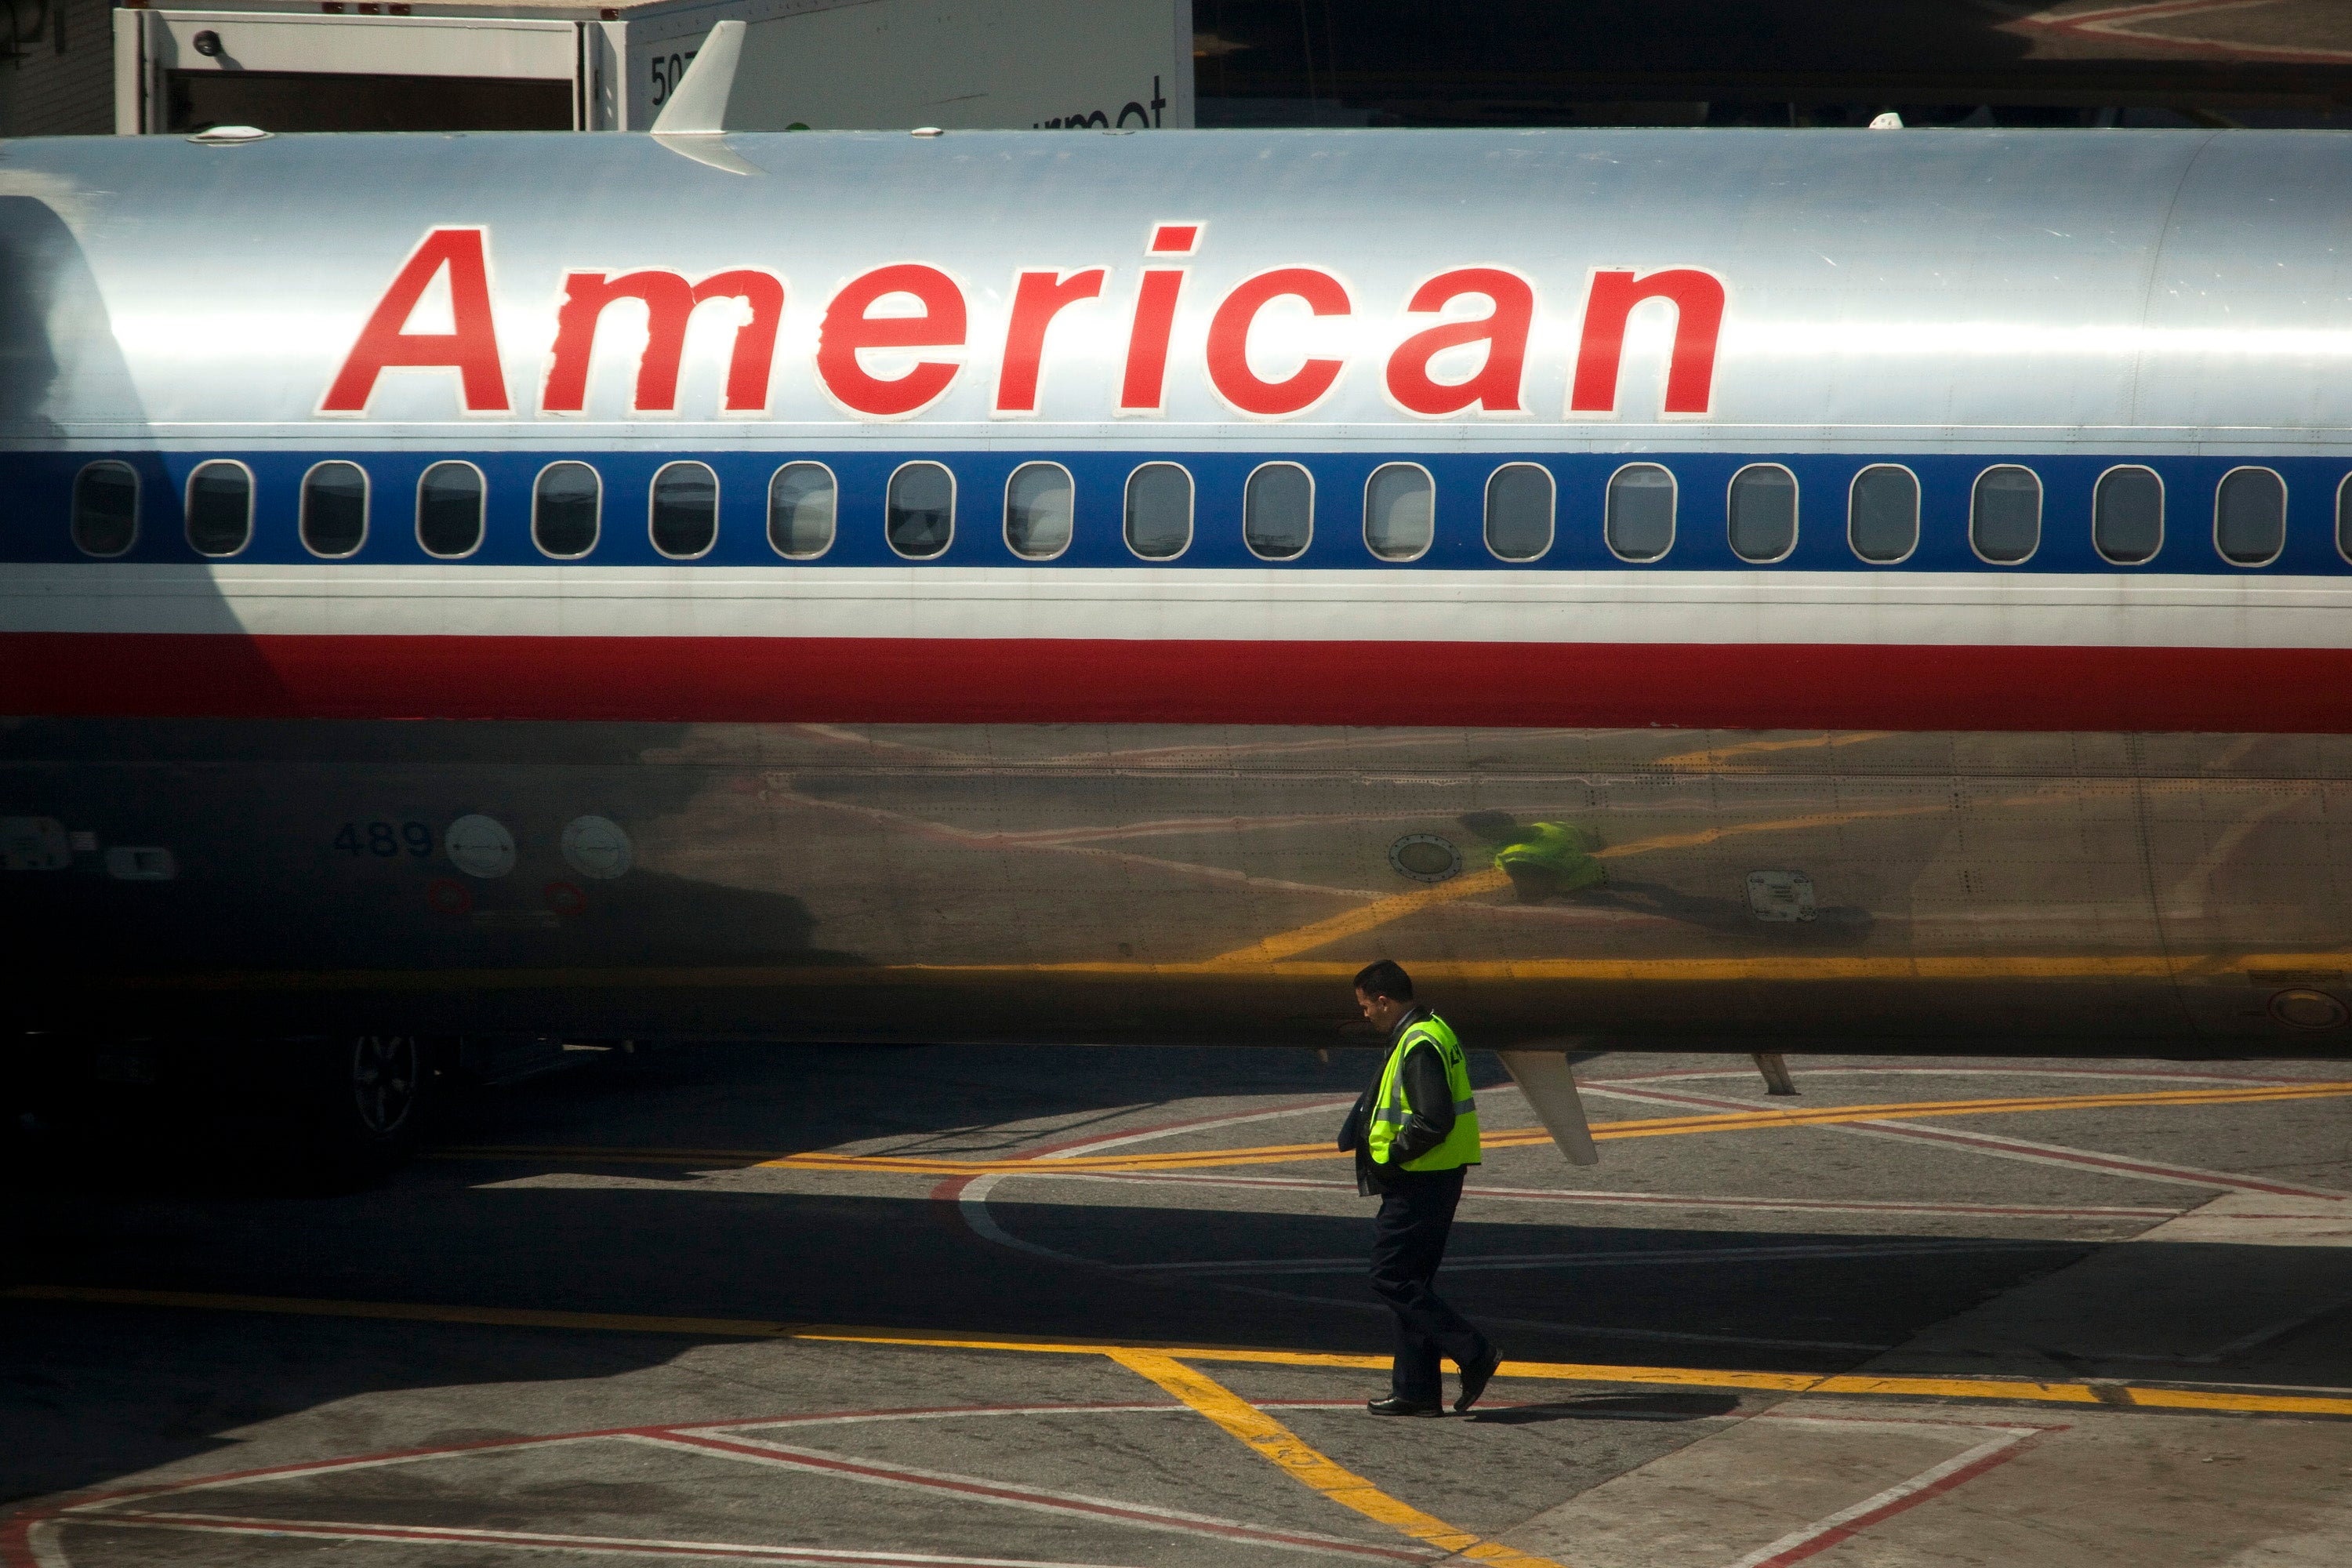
(1408, 1243)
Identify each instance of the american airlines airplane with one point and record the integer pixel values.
(1730, 589)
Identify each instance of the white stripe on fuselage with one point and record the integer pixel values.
(1959, 609)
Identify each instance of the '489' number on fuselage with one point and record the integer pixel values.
(385, 840)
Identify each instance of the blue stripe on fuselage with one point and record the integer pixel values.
(36, 524)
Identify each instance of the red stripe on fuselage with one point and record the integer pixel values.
(1732, 686)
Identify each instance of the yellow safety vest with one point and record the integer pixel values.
(1390, 1110)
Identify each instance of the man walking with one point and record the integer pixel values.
(1414, 1130)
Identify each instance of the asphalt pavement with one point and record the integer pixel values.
(1107, 1307)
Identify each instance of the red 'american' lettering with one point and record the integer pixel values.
(1229, 331)
(1037, 299)
(471, 348)
(1698, 300)
(669, 303)
(849, 328)
(940, 320)
(1495, 388)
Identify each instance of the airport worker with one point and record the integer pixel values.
(1414, 1132)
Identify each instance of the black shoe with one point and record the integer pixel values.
(1392, 1406)
(1474, 1381)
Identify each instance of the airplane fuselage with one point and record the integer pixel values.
(1718, 588)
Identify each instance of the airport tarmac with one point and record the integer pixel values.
(1106, 1306)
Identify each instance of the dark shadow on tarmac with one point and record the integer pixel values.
(90, 1392)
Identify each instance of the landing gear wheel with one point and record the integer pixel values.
(387, 1081)
(365, 1101)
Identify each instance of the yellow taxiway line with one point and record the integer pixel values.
(1849, 1385)
(1286, 1451)
(1524, 1137)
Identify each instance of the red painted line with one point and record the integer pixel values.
(2037, 1428)
(1846, 1530)
(1051, 1502)
(1814, 1068)
(17, 1538)
(1625, 1199)
(97, 1507)
(2187, 1176)
(11, 1525)
(1157, 1129)
(1793, 686)
(1994, 1142)
(1047, 1154)
(909, 1413)
(539, 1541)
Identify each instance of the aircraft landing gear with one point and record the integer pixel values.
(362, 1103)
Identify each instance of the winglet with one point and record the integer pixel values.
(697, 105)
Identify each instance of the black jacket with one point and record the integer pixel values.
(1429, 1104)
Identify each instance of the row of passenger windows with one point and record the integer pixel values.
(1277, 511)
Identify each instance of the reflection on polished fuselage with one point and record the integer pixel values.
(1746, 589)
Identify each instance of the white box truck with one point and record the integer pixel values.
(553, 65)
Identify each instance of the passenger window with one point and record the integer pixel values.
(1159, 511)
(449, 509)
(1641, 513)
(564, 509)
(921, 510)
(1760, 513)
(2343, 518)
(801, 510)
(220, 509)
(2250, 517)
(1520, 500)
(1882, 517)
(105, 508)
(2005, 515)
(1039, 501)
(685, 510)
(334, 509)
(1278, 512)
(1400, 512)
(2127, 515)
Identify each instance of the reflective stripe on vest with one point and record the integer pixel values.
(1390, 1110)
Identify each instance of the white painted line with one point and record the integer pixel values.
(1933, 1428)
(2288, 1326)
(1038, 1499)
(535, 1541)
(972, 1205)
(1604, 1198)
(312, 1468)
(41, 1541)
(866, 1418)
(2032, 1153)
(1826, 1533)
(1814, 1067)
(1663, 1336)
(1096, 1145)
(1151, 1134)
(2001, 1146)
(2245, 1342)
(1614, 1258)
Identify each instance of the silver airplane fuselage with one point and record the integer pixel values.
(1810, 590)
